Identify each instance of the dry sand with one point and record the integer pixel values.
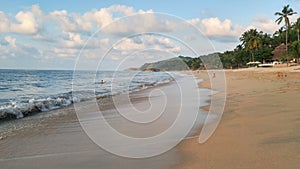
(260, 125)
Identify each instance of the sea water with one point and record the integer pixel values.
(25, 91)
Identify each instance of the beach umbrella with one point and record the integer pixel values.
(253, 63)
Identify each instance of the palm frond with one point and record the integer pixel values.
(279, 20)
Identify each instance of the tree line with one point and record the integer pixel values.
(256, 45)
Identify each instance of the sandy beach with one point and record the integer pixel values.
(56, 139)
(259, 129)
(260, 125)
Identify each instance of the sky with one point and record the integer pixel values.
(112, 35)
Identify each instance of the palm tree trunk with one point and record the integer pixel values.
(286, 43)
(286, 38)
(298, 33)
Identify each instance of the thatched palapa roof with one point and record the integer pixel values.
(279, 51)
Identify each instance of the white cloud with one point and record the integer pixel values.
(70, 22)
(11, 41)
(128, 44)
(30, 21)
(74, 29)
(27, 22)
(147, 42)
(194, 21)
(125, 10)
(65, 52)
(99, 18)
(73, 40)
(214, 27)
(145, 22)
(73, 45)
(4, 22)
(45, 37)
(162, 43)
(262, 23)
(26, 25)
(294, 18)
(13, 49)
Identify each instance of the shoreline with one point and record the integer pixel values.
(259, 127)
(265, 136)
(9, 125)
(62, 136)
(54, 92)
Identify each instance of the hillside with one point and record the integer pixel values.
(173, 64)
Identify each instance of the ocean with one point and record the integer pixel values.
(23, 92)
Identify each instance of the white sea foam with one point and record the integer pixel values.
(47, 91)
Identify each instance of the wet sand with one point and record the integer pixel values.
(58, 141)
(260, 125)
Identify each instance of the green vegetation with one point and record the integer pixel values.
(258, 46)
(173, 64)
(254, 46)
(284, 15)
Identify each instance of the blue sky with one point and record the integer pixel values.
(241, 11)
(50, 34)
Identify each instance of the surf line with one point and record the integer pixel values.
(45, 155)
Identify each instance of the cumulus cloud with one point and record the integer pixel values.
(11, 41)
(65, 52)
(26, 22)
(13, 49)
(129, 44)
(70, 22)
(95, 18)
(44, 37)
(144, 42)
(162, 43)
(214, 27)
(26, 25)
(72, 40)
(101, 17)
(104, 16)
(62, 34)
(134, 51)
(263, 23)
(4, 22)
(146, 22)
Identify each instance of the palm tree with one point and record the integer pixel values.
(251, 40)
(284, 15)
(297, 25)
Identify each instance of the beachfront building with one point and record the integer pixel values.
(279, 52)
(279, 55)
(278, 58)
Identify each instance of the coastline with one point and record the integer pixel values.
(10, 125)
(259, 127)
(61, 136)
